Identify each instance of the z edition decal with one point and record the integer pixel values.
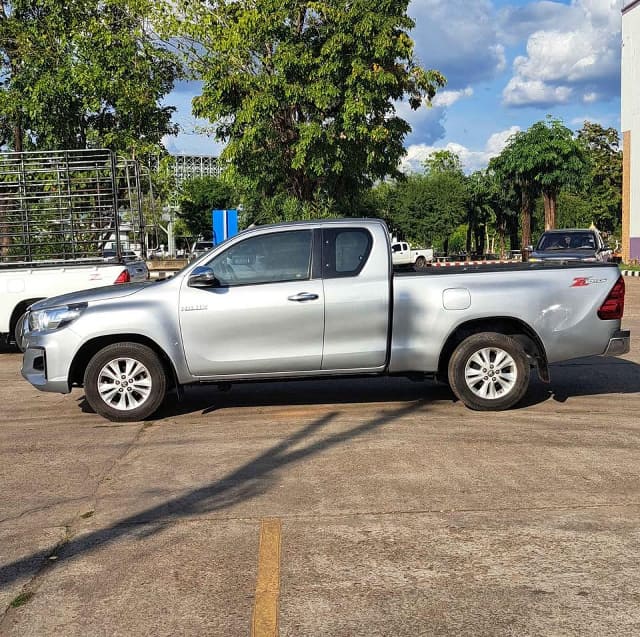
(583, 281)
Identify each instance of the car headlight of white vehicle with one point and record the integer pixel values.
(55, 317)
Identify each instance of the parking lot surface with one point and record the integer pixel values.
(336, 508)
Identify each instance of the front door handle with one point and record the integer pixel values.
(303, 296)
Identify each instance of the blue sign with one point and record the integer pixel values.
(225, 225)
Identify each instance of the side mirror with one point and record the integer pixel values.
(529, 248)
(203, 277)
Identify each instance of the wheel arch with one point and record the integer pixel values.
(509, 326)
(17, 312)
(91, 347)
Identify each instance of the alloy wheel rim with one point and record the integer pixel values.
(124, 384)
(490, 373)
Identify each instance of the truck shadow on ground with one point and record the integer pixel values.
(248, 481)
(583, 377)
(591, 376)
(207, 398)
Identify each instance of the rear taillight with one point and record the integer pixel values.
(613, 306)
(123, 277)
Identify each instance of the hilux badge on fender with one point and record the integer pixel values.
(583, 281)
(193, 308)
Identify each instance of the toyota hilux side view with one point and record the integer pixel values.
(321, 299)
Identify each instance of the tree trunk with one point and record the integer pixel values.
(525, 223)
(550, 199)
(17, 137)
(501, 228)
(480, 234)
(468, 243)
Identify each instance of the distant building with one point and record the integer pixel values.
(631, 130)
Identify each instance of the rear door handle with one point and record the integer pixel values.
(303, 296)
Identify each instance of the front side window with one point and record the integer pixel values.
(268, 258)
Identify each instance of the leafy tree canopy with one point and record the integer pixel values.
(198, 198)
(443, 161)
(303, 91)
(425, 209)
(604, 183)
(546, 158)
(83, 74)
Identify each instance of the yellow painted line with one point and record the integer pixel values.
(265, 608)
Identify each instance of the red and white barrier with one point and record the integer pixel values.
(441, 264)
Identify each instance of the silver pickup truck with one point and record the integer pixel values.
(321, 299)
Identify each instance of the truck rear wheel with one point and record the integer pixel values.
(421, 263)
(125, 382)
(489, 372)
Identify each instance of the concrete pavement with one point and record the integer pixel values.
(401, 512)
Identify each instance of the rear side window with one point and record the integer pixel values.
(345, 251)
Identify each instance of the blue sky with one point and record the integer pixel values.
(508, 65)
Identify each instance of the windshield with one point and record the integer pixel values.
(567, 241)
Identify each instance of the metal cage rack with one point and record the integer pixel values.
(68, 204)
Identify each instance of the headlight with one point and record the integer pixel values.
(534, 259)
(55, 317)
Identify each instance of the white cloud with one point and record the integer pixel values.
(579, 56)
(523, 92)
(459, 38)
(448, 98)
(471, 159)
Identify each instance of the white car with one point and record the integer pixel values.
(402, 254)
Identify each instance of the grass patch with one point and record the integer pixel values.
(22, 599)
(630, 266)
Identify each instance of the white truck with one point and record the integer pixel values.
(27, 283)
(403, 255)
(66, 221)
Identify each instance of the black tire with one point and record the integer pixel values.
(139, 390)
(421, 263)
(18, 332)
(473, 382)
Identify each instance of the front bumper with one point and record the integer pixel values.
(47, 359)
(619, 343)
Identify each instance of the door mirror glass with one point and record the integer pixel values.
(203, 277)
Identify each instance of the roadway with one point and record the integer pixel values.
(369, 507)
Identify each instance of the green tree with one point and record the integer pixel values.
(198, 198)
(548, 157)
(303, 92)
(443, 161)
(83, 74)
(482, 209)
(514, 178)
(604, 183)
(425, 209)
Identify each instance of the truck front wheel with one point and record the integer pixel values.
(489, 372)
(125, 382)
